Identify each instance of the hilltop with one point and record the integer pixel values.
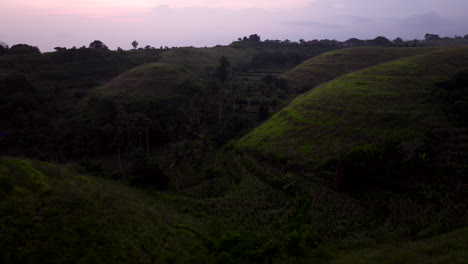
(156, 81)
(330, 65)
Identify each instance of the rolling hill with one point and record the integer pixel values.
(157, 81)
(331, 65)
(361, 110)
(51, 214)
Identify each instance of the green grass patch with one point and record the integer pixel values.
(383, 103)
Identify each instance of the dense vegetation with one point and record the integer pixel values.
(209, 155)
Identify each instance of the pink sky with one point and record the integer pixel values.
(67, 23)
(108, 7)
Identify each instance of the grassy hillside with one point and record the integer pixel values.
(361, 110)
(156, 81)
(331, 65)
(242, 57)
(50, 214)
(446, 248)
(205, 60)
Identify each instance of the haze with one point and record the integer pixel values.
(52, 23)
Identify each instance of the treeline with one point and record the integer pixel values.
(255, 39)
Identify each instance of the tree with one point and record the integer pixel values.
(380, 40)
(135, 44)
(3, 48)
(429, 37)
(60, 49)
(466, 36)
(355, 41)
(97, 44)
(222, 71)
(23, 49)
(254, 38)
(398, 40)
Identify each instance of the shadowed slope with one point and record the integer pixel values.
(52, 215)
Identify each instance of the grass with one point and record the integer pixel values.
(247, 214)
(383, 103)
(205, 60)
(331, 65)
(156, 81)
(50, 214)
(446, 248)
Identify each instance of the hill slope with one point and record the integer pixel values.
(364, 109)
(153, 81)
(50, 214)
(331, 65)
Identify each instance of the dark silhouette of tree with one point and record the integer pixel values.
(398, 40)
(97, 44)
(429, 37)
(466, 36)
(254, 38)
(380, 40)
(23, 49)
(60, 49)
(223, 69)
(135, 44)
(3, 48)
(355, 41)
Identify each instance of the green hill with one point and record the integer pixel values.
(205, 60)
(50, 214)
(331, 65)
(363, 110)
(157, 81)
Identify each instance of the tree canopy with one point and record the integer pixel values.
(97, 44)
(23, 49)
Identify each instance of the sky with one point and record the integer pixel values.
(67, 23)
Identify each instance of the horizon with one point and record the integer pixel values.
(180, 23)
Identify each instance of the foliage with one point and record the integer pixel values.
(222, 71)
(85, 219)
(23, 49)
(97, 44)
